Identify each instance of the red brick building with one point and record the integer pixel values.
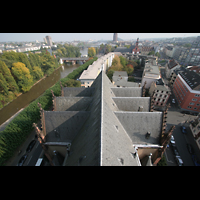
(186, 89)
(136, 50)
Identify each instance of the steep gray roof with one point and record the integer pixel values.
(137, 124)
(64, 123)
(102, 140)
(71, 103)
(127, 92)
(132, 103)
(105, 128)
(77, 91)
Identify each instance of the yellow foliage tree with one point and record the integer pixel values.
(22, 76)
(91, 51)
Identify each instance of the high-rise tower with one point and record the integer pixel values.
(49, 40)
(115, 37)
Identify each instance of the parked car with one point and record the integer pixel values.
(179, 161)
(190, 149)
(172, 141)
(175, 150)
(22, 160)
(173, 100)
(183, 129)
(30, 146)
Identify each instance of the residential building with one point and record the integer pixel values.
(186, 89)
(170, 67)
(146, 49)
(169, 51)
(151, 72)
(103, 126)
(191, 56)
(120, 79)
(161, 93)
(103, 63)
(174, 75)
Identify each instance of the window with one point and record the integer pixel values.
(198, 104)
(195, 108)
(191, 103)
(189, 107)
(194, 99)
(197, 95)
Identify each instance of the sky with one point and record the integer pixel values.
(18, 37)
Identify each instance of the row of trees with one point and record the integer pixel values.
(120, 63)
(67, 51)
(18, 72)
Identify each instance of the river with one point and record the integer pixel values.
(37, 90)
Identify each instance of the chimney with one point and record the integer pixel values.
(140, 109)
(148, 135)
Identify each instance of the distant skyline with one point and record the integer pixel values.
(19, 37)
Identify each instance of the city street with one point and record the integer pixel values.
(175, 117)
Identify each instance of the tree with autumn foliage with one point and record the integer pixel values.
(91, 51)
(22, 76)
(12, 85)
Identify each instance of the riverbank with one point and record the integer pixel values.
(31, 87)
(37, 90)
(20, 127)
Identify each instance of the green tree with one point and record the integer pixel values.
(24, 59)
(72, 83)
(37, 73)
(22, 75)
(123, 61)
(12, 85)
(110, 73)
(3, 85)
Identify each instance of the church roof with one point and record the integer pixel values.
(102, 123)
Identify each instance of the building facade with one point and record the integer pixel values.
(136, 50)
(170, 67)
(161, 94)
(151, 73)
(186, 89)
(102, 64)
(115, 37)
(49, 40)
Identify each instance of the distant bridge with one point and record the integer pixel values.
(73, 60)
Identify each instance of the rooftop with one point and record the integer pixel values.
(191, 78)
(101, 124)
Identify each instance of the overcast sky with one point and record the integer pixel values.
(17, 37)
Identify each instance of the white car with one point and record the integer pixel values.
(179, 161)
(173, 100)
(172, 141)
